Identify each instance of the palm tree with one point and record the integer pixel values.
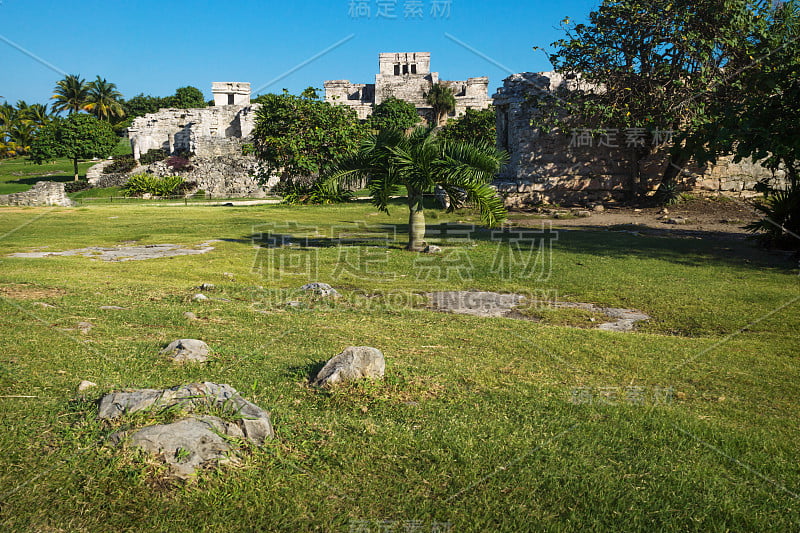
(420, 161)
(442, 100)
(104, 99)
(35, 114)
(71, 94)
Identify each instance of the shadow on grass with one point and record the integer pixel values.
(306, 372)
(683, 247)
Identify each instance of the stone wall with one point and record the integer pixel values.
(558, 168)
(43, 193)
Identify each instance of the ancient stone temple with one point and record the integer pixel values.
(213, 135)
(406, 76)
(205, 132)
(570, 167)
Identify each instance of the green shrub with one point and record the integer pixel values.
(121, 164)
(153, 155)
(317, 193)
(139, 184)
(781, 222)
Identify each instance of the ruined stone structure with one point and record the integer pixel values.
(406, 76)
(214, 135)
(208, 131)
(43, 193)
(553, 168)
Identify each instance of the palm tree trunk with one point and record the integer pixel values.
(75, 167)
(416, 222)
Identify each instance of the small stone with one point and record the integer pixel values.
(599, 208)
(207, 287)
(187, 350)
(664, 211)
(200, 297)
(355, 362)
(45, 305)
(84, 327)
(583, 213)
(293, 303)
(112, 308)
(637, 210)
(85, 385)
(320, 289)
(189, 315)
(432, 249)
(228, 275)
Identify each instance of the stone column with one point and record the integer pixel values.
(171, 140)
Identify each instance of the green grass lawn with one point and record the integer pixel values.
(19, 174)
(481, 424)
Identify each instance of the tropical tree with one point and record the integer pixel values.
(104, 100)
(442, 102)
(36, 114)
(474, 126)
(186, 98)
(650, 67)
(71, 94)
(419, 160)
(301, 137)
(393, 113)
(79, 136)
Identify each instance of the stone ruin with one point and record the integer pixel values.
(205, 132)
(406, 76)
(43, 193)
(553, 168)
(215, 136)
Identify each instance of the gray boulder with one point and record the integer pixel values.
(184, 445)
(253, 421)
(187, 350)
(320, 289)
(353, 363)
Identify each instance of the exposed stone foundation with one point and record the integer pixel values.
(41, 194)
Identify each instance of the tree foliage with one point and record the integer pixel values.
(420, 161)
(104, 100)
(301, 137)
(186, 98)
(474, 126)
(71, 94)
(393, 113)
(79, 136)
(19, 124)
(652, 66)
(442, 101)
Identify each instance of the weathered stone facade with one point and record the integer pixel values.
(552, 168)
(406, 76)
(43, 193)
(207, 131)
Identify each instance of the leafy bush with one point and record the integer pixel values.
(153, 155)
(139, 184)
(75, 186)
(781, 222)
(316, 193)
(179, 163)
(121, 164)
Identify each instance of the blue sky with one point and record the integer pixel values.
(155, 47)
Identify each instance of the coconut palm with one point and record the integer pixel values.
(442, 100)
(71, 94)
(420, 161)
(37, 114)
(103, 100)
